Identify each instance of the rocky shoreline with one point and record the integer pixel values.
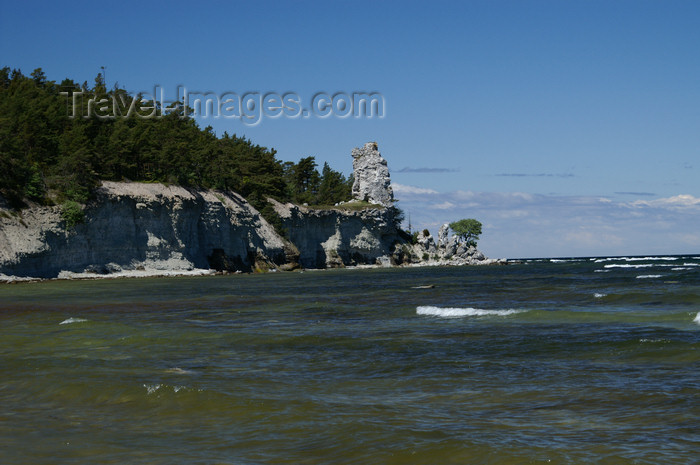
(134, 274)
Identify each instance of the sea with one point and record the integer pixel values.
(590, 360)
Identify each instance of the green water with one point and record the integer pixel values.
(540, 362)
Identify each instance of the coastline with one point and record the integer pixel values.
(136, 229)
(135, 274)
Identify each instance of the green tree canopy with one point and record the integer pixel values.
(334, 187)
(46, 155)
(467, 229)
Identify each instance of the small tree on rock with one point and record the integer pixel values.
(468, 230)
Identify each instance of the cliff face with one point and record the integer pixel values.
(155, 228)
(336, 238)
(134, 226)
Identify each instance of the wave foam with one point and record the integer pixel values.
(147, 273)
(635, 259)
(599, 295)
(697, 318)
(642, 265)
(648, 276)
(154, 388)
(72, 320)
(452, 312)
(151, 388)
(15, 279)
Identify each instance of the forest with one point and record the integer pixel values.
(49, 157)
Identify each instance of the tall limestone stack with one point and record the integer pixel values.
(372, 183)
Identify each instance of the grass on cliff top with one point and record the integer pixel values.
(353, 206)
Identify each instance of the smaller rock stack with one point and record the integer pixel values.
(449, 250)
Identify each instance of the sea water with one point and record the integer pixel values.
(592, 360)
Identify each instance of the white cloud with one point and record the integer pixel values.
(444, 206)
(411, 190)
(683, 200)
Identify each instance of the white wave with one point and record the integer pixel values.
(147, 273)
(15, 279)
(697, 318)
(635, 259)
(642, 265)
(599, 295)
(680, 268)
(601, 271)
(691, 264)
(179, 371)
(151, 388)
(72, 320)
(648, 276)
(567, 260)
(451, 312)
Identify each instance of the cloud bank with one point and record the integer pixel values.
(520, 224)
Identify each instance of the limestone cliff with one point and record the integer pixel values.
(340, 237)
(159, 229)
(136, 226)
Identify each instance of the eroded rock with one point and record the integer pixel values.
(372, 183)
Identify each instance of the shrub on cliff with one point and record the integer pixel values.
(468, 230)
(72, 213)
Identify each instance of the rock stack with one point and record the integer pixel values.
(448, 250)
(372, 183)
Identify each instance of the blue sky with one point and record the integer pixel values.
(567, 128)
